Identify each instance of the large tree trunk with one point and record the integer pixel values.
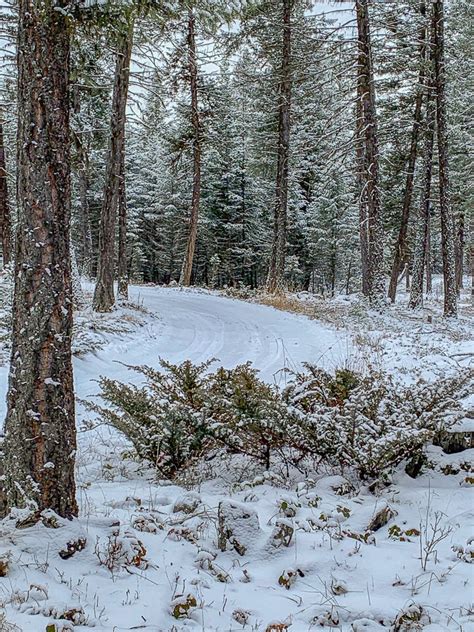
(366, 89)
(276, 272)
(104, 298)
(187, 267)
(447, 221)
(362, 193)
(5, 218)
(421, 257)
(400, 257)
(40, 438)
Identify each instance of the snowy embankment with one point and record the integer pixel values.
(140, 552)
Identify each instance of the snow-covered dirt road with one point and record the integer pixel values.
(198, 326)
(194, 325)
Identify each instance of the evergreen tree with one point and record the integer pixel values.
(366, 94)
(114, 188)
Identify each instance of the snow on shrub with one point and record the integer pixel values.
(248, 415)
(166, 418)
(120, 551)
(184, 411)
(369, 423)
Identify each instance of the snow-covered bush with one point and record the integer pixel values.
(312, 387)
(184, 411)
(120, 551)
(248, 415)
(165, 419)
(369, 423)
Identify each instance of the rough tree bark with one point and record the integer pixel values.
(366, 88)
(400, 248)
(104, 298)
(5, 218)
(447, 220)
(276, 272)
(40, 440)
(187, 267)
(421, 256)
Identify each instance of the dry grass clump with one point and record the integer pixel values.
(286, 303)
(316, 308)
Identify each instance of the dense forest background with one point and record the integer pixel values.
(210, 77)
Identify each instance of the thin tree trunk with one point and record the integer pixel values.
(447, 221)
(400, 250)
(187, 267)
(333, 267)
(348, 277)
(376, 279)
(104, 298)
(243, 211)
(460, 244)
(471, 254)
(122, 264)
(84, 259)
(362, 193)
(5, 218)
(423, 224)
(40, 440)
(429, 276)
(276, 272)
(77, 293)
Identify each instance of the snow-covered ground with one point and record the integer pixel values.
(327, 576)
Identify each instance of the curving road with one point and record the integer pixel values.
(199, 326)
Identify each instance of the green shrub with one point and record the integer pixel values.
(165, 419)
(312, 387)
(368, 423)
(183, 411)
(248, 415)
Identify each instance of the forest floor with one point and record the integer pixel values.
(401, 578)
